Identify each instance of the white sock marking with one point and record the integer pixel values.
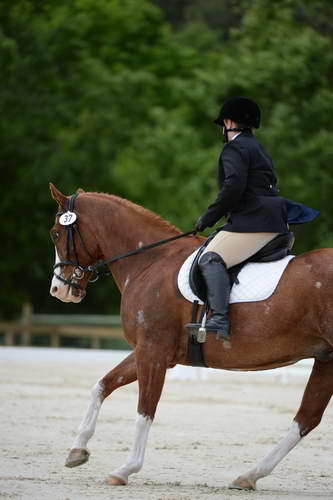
(135, 460)
(88, 424)
(270, 461)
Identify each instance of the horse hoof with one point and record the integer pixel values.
(77, 456)
(115, 481)
(241, 483)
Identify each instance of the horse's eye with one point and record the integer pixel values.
(55, 235)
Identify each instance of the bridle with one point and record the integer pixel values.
(79, 270)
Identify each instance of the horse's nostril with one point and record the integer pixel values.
(54, 289)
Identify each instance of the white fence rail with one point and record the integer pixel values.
(58, 326)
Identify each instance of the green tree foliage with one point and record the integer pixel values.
(80, 82)
(105, 95)
(219, 16)
(287, 65)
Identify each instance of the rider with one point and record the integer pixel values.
(248, 198)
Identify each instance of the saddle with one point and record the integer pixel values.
(276, 249)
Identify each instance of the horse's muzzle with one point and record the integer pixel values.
(66, 292)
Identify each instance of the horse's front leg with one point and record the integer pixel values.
(151, 369)
(122, 374)
(316, 397)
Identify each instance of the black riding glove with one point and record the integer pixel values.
(200, 225)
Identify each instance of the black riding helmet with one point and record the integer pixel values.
(240, 110)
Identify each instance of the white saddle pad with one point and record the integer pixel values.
(257, 280)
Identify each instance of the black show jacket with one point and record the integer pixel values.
(248, 195)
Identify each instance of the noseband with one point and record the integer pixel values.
(78, 270)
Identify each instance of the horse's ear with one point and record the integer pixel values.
(57, 195)
(80, 190)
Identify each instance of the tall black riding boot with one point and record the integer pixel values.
(216, 278)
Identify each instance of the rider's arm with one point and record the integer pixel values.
(234, 164)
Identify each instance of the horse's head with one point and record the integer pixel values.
(75, 246)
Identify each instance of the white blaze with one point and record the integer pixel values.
(55, 283)
(59, 289)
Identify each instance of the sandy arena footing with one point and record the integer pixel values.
(208, 430)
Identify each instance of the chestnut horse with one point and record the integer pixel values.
(296, 322)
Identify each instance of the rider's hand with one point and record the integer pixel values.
(200, 225)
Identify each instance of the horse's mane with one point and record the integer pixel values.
(155, 219)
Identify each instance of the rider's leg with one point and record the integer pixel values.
(226, 250)
(234, 248)
(217, 281)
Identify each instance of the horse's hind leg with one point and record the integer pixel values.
(122, 374)
(316, 397)
(151, 370)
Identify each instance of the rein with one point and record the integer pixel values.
(102, 263)
(79, 271)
